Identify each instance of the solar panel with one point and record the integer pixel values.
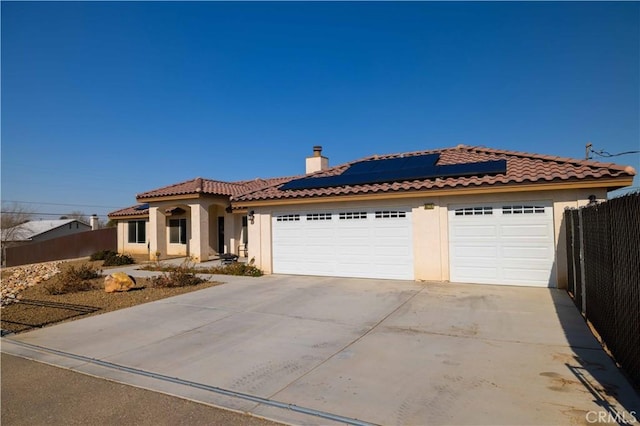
(142, 206)
(393, 164)
(397, 170)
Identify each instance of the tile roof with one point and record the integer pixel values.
(210, 187)
(197, 186)
(137, 210)
(521, 168)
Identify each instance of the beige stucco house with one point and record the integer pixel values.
(460, 214)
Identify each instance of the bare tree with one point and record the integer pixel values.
(11, 217)
(78, 215)
(13, 214)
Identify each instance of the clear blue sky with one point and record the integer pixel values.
(103, 100)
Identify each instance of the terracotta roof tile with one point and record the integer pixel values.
(137, 210)
(521, 167)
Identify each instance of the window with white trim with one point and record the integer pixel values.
(137, 231)
(352, 215)
(390, 214)
(318, 216)
(522, 209)
(288, 218)
(474, 211)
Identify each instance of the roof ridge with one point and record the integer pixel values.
(276, 181)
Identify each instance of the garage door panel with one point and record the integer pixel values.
(345, 243)
(527, 253)
(467, 252)
(474, 231)
(479, 274)
(519, 251)
(529, 231)
(525, 275)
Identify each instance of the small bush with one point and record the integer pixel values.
(73, 279)
(178, 277)
(241, 269)
(118, 260)
(103, 254)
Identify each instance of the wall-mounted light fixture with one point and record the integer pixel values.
(251, 216)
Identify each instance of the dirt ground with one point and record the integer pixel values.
(37, 308)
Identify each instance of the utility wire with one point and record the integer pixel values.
(51, 214)
(59, 204)
(605, 154)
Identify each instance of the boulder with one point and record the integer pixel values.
(118, 281)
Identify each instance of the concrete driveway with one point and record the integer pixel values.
(349, 350)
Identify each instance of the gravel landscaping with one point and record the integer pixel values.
(26, 303)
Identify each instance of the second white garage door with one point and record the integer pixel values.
(361, 243)
(505, 243)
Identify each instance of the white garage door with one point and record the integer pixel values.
(363, 243)
(506, 243)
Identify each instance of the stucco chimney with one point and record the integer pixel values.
(317, 162)
(93, 221)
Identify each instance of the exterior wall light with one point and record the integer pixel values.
(251, 216)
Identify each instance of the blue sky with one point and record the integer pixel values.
(103, 100)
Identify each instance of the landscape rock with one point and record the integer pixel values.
(18, 278)
(118, 281)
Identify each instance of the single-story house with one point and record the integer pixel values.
(42, 230)
(462, 214)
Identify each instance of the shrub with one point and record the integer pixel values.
(236, 269)
(180, 276)
(118, 259)
(73, 279)
(103, 254)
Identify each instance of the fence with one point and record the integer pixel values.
(68, 247)
(604, 274)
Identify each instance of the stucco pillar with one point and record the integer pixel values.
(157, 233)
(199, 242)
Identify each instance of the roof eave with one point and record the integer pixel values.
(609, 184)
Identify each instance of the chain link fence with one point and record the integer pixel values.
(603, 251)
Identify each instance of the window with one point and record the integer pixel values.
(388, 214)
(522, 209)
(318, 216)
(352, 215)
(137, 231)
(178, 231)
(474, 211)
(288, 217)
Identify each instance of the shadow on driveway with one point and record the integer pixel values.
(591, 368)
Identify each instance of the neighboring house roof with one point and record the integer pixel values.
(33, 228)
(521, 168)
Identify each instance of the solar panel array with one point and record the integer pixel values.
(397, 170)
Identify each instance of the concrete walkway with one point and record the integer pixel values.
(377, 351)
